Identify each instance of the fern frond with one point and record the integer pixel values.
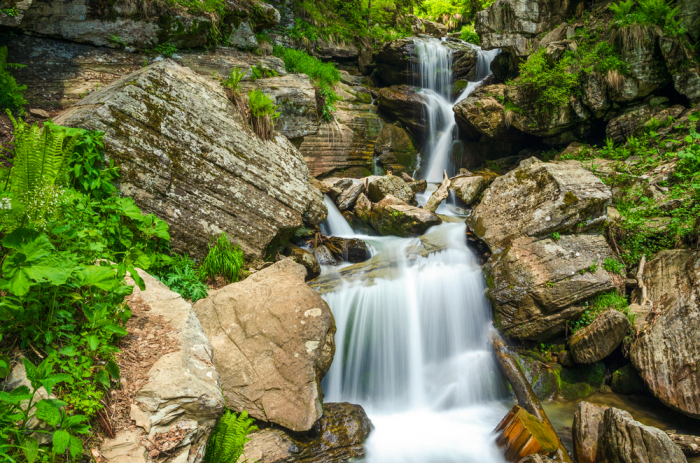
(229, 438)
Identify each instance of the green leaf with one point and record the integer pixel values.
(5, 366)
(30, 448)
(103, 378)
(70, 351)
(46, 411)
(93, 342)
(137, 278)
(116, 329)
(98, 276)
(113, 369)
(52, 380)
(694, 117)
(30, 370)
(19, 237)
(75, 446)
(61, 439)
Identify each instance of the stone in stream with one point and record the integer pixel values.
(307, 259)
(666, 354)
(625, 440)
(273, 342)
(394, 150)
(347, 198)
(392, 216)
(379, 188)
(418, 186)
(587, 432)
(324, 256)
(404, 103)
(178, 141)
(352, 250)
(519, 434)
(468, 188)
(336, 437)
(537, 199)
(597, 340)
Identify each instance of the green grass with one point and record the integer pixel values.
(182, 276)
(223, 260)
(599, 304)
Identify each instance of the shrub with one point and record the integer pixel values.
(468, 34)
(228, 438)
(598, 305)
(182, 277)
(234, 78)
(635, 22)
(262, 113)
(11, 93)
(614, 266)
(223, 260)
(554, 84)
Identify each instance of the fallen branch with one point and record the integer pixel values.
(642, 286)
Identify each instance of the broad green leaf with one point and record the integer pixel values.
(61, 439)
(30, 370)
(74, 420)
(130, 209)
(103, 378)
(113, 369)
(93, 342)
(19, 237)
(75, 446)
(137, 278)
(70, 351)
(5, 366)
(30, 449)
(47, 412)
(116, 329)
(52, 380)
(100, 277)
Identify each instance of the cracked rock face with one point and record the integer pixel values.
(186, 157)
(667, 355)
(600, 338)
(273, 339)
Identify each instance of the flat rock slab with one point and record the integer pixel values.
(273, 343)
(537, 199)
(597, 340)
(183, 392)
(667, 354)
(186, 157)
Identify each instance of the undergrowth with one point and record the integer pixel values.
(263, 112)
(229, 438)
(598, 305)
(223, 260)
(11, 93)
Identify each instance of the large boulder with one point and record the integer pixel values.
(404, 103)
(337, 436)
(273, 343)
(647, 69)
(482, 114)
(392, 216)
(685, 73)
(513, 25)
(628, 441)
(394, 149)
(379, 188)
(295, 98)
(689, 12)
(394, 61)
(597, 340)
(122, 23)
(667, 353)
(537, 199)
(468, 188)
(537, 285)
(185, 156)
(587, 432)
(182, 388)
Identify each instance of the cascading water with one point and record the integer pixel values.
(412, 333)
(335, 224)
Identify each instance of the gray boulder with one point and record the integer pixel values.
(392, 216)
(468, 188)
(186, 157)
(243, 37)
(273, 343)
(597, 340)
(379, 188)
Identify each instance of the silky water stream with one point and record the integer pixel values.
(412, 333)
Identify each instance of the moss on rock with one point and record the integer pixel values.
(581, 381)
(626, 380)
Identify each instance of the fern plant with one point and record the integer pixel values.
(234, 78)
(183, 278)
(223, 260)
(11, 93)
(262, 113)
(228, 438)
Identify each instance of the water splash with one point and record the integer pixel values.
(335, 224)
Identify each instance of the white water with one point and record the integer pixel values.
(335, 224)
(411, 347)
(434, 78)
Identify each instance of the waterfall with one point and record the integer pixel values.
(412, 349)
(335, 224)
(433, 75)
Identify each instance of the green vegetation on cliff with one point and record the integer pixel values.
(11, 93)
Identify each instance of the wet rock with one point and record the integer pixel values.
(588, 431)
(408, 106)
(265, 15)
(418, 186)
(626, 440)
(394, 61)
(513, 25)
(647, 70)
(484, 115)
(564, 358)
(273, 342)
(295, 98)
(394, 150)
(689, 14)
(307, 259)
(595, 94)
(685, 76)
(667, 353)
(537, 199)
(464, 59)
(469, 188)
(381, 187)
(174, 134)
(519, 434)
(689, 445)
(597, 340)
(392, 216)
(337, 436)
(347, 198)
(351, 250)
(626, 380)
(324, 256)
(535, 285)
(363, 208)
(182, 389)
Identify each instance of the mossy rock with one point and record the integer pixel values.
(626, 380)
(581, 381)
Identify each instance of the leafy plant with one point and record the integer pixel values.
(182, 277)
(262, 113)
(599, 304)
(614, 266)
(11, 93)
(468, 34)
(228, 438)
(552, 83)
(234, 78)
(223, 260)
(166, 49)
(260, 72)
(556, 236)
